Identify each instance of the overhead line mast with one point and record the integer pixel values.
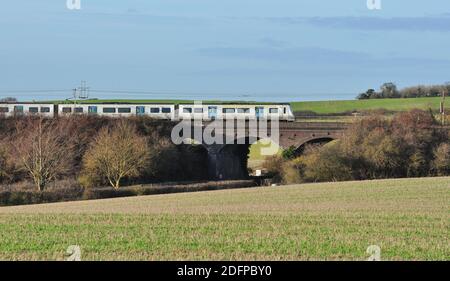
(81, 93)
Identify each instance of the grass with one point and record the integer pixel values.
(408, 218)
(340, 106)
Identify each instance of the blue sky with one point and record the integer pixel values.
(278, 50)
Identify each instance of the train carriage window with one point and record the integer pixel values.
(166, 110)
(273, 110)
(187, 110)
(109, 110)
(198, 110)
(228, 110)
(4, 109)
(259, 112)
(33, 109)
(243, 110)
(124, 110)
(78, 110)
(212, 112)
(18, 108)
(140, 110)
(154, 110)
(284, 110)
(45, 109)
(92, 109)
(66, 109)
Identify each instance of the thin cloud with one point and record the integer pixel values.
(274, 43)
(316, 56)
(439, 23)
(305, 54)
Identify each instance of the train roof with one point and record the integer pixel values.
(27, 102)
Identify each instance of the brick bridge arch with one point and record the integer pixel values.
(313, 141)
(229, 160)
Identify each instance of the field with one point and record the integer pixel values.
(339, 106)
(255, 157)
(408, 218)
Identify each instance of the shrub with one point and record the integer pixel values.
(382, 154)
(289, 153)
(17, 197)
(409, 145)
(6, 167)
(292, 171)
(108, 192)
(71, 192)
(325, 164)
(274, 167)
(441, 163)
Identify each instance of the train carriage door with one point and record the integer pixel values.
(92, 109)
(212, 112)
(140, 110)
(259, 111)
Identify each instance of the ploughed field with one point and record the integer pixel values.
(409, 219)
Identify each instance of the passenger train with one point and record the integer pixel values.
(206, 112)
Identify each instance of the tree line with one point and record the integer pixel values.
(95, 151)
(411, 144)
(390, 90)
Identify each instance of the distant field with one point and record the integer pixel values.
(255, 157)
(339, 106)
(409, 219)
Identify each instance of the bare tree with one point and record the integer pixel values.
(116, 153)
(43, 149)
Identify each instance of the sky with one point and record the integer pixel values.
(263, 50)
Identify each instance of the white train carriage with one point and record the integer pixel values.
(210, 112)
(159, 111)
(206, 112)
(12, 109)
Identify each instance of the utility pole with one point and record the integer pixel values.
(442, 107)
(75, 95)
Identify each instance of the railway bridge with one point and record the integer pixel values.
(228, 152)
